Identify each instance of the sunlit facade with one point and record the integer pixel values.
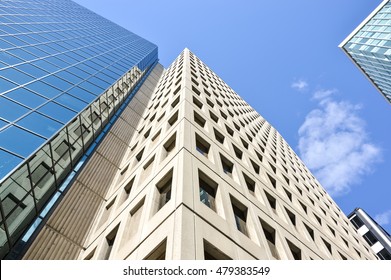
(369, 47)
(129, 160)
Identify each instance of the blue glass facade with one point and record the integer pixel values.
(65, 73)
(56, 58)
(370, 48)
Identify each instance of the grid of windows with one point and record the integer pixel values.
(370, 49)
(57, 57)
(65, 72)
(233, 171)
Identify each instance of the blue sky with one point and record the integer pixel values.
(283, 58)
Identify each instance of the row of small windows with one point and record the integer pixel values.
(219, 137)
(227, 165)
(208, 190)
(200, 64)
(203, 147)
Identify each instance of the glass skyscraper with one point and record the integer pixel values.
(64, 72)
(369, 47)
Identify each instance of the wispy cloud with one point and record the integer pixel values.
(383, 218)
(334, 144)
(323, 93)
(300, 85)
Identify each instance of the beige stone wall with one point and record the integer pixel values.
(199, 136)
(64, 234)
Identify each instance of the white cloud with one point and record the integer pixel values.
(334, 144)
(323, 93)
(383, 218)
(300, 85)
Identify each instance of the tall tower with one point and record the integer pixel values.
(65, 72)
(369, 47)
(204, 176)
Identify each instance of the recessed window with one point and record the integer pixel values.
(197, 102)
(331, 230)
(229, 130)
(158, 253)
(346, 243)
(161, 117)
(240, 214)
(133, 223)
(169, 146)
(227, 165)
(328, 246)
(270, 235)
(213, 253)
(272, 181)
(147, 168)
(250, 184)
(199, 120)
(245, 144)
(273, 168)
(291, 216)
(288, 194)
(140, 155)
(177, 90)
(272, 201)
(219, 137)
(164, 189)
(318, 219)
(173, 119)
(202, 146)
(255, 166)
(156, 136)
(237, 151)
(146, 134)
(127, 189)
(208, 189)
(303, 206)
(223, 115)
(175, 102)
(210, 103)
(213, 117)
(110, 239)
(342, 256)
(195, 90)
(310, 232)
(296, 252)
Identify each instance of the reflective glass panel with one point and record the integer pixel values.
(57, 112)
(14, 139)
(26, 97)
(40, 124)
(9, 110)
(7, 162)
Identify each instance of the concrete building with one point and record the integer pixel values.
(168, 164)
(369, 47)
(373, 233)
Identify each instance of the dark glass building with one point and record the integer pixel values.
(64, 74)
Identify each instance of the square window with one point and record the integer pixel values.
(202, 146)
(219, 137)
(208, 189)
